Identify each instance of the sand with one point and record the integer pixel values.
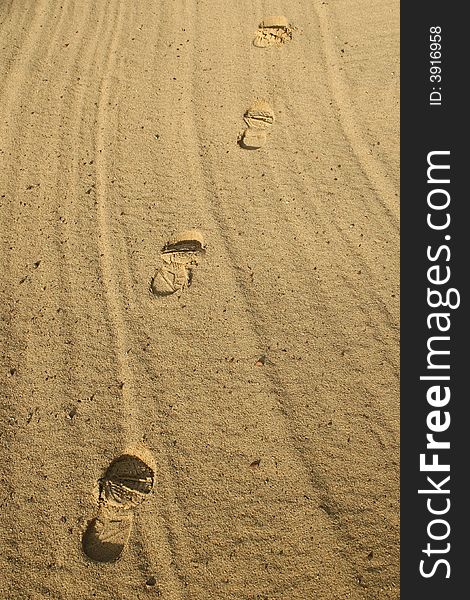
(263, 389)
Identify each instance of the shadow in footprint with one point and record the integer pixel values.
(106, 537)
(126, 483)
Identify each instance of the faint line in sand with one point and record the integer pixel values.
(106, 259)
(31, 51)
(275, 385)
(114, 302)
(371, 167)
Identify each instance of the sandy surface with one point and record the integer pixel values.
(266, 393)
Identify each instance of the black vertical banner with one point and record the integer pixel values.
(435, 258)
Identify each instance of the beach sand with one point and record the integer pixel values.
(262, 399)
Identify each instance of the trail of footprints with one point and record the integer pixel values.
(272, 31)
(129, 479)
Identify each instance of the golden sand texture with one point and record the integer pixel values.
(264, 395)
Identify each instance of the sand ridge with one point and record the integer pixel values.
(266, 392)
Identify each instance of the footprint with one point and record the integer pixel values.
(179, 256)
(273, 31)
(126, 483)
(260, 115)
(259, 118)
